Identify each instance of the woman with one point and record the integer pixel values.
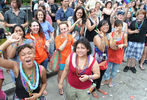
(11, 50)
(118, 41)
(91, 25)
(136, 41)
(77, 23)
(25, 72)
(48, 30)
(107, 10)
(99, 12)
(35, 33)
(63, 43)
(47, 17)
(80, 69)
(101, 55)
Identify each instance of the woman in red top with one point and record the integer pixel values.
(80, 68)
(118, 40)
(35, 33)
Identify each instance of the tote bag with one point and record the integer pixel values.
(55, 61)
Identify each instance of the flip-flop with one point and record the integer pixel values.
(102, 84)
(110, 85)
(95, 95)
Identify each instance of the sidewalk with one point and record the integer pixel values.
(127, 86)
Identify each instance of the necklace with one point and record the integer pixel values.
(80, 72)
(28, 84)
(138, 26)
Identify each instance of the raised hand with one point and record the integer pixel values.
(14, 38)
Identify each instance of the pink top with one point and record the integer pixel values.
(1, 74)
(73, 79)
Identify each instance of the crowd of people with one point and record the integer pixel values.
(92, 37)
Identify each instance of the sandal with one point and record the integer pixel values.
(104, 83)
(95, 95)
(61, 91)
(110, 85)
(142, 68)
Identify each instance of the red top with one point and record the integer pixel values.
(73, 79)
(116, 56)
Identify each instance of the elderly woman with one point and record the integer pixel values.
(80, 68)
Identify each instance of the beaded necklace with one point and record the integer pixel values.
(138, 26)
(28, 84)
(78, 71)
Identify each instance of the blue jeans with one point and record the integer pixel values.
(114, 70)
(45, 63)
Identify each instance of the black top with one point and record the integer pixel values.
(138, 37)
(54, 9)
(20, 91)
(90, 34)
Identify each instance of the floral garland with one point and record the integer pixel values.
(27, 84)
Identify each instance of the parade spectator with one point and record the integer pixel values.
(15, 16)
(11, 50)
(63, 43)
(64, 12)
(32, 3)
(25, 71)
(54, 8)
(80, 69)
(77, 23)
(36, 34)
(136, 41)
(129, 18)
(48, 30)
(118, 40)
(99, 12)
(48, 17)
(107, 10)
(41, 2)
(91, 24)
(2, 4)
(101, 55)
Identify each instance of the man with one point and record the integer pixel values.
(64, 12)
(15, 16)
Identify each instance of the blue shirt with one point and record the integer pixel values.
(47, 28)
(63, 16)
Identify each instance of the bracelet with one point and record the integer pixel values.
(1, 52)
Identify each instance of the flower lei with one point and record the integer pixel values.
(27, 84)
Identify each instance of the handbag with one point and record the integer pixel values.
(55, 61)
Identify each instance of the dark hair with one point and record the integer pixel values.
(83, 16)
(118, 23)
(21, 47)
(85, 42)
(40, 28)
(18, 3)
(44, 15)
(21, 28)
(101, 23)
(107, 3)
(42, 6)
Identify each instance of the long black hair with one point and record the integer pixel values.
(83, 16)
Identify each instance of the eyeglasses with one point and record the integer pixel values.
(79, 13)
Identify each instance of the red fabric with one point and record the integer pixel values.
(105, 66)
(73, 79)
(116, 56)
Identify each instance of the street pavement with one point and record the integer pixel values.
(126, 86)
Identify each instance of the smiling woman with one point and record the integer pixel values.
(29, 76)
(80, 68)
